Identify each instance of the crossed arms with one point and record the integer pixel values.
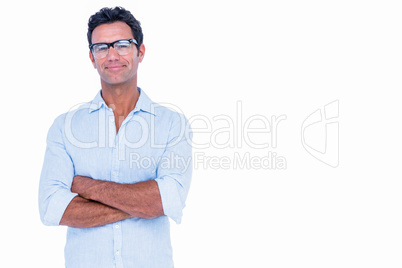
(78, 201)
(103, 202)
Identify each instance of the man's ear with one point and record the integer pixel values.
(141, 52)
(91, 57)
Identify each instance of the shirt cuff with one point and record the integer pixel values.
(171, 198)
(57, 205)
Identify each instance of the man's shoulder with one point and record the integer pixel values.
(168, 111)
(76, 110)
(162, 109)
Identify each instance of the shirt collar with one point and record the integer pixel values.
(144, 103)
(97, 103)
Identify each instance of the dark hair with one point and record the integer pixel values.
(110, 15)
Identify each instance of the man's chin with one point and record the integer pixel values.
(116, 81)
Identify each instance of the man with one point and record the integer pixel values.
(117, 167)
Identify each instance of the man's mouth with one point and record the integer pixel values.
(115, 67)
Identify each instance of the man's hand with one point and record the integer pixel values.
(81, 185)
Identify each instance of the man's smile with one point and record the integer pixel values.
(115, 67)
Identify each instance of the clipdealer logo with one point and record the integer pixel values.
(320, 134)
(224, 141)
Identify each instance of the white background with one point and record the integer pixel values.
(276, 57)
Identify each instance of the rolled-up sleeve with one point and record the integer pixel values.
(175, 169)
(56, 177)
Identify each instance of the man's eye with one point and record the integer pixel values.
(100, 48)
(123, 44)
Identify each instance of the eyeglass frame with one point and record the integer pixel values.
(131, 40)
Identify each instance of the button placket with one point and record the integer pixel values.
(117, 235)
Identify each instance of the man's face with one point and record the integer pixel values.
(115, 69)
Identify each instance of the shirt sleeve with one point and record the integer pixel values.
(175, 168)
(56, 177)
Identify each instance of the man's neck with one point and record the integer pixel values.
(121, 98)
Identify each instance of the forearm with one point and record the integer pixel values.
(83, 213)
(140, 199)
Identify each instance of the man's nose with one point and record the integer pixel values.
(112, 55)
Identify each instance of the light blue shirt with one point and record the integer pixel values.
(153, 143)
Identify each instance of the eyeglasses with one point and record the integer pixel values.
(122, 47)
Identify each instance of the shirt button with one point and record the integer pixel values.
(117, 252)
(117, 226)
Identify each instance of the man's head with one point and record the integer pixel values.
(110, 15)
(115, 39)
